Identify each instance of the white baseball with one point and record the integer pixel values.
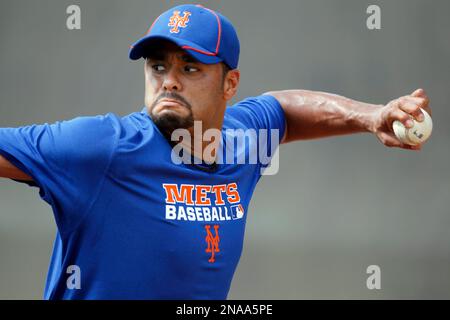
(417, 134)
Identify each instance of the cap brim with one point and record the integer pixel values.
(145, 45)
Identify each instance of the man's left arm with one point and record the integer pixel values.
(313, 115)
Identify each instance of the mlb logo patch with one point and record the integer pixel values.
(237, 212)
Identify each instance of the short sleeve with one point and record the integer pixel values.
(262, 113)
(67, 161)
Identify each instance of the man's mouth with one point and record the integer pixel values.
(169, 102)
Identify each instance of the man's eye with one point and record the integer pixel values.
(158, 67)
(190, 69)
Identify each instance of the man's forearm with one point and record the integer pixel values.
(313, 114)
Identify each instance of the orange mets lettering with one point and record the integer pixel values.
(184, 195)
(205, 195)
(213, 242)
(218, 189)
(177, 21)
(232, 193)
(200, 194)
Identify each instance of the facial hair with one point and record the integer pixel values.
(168, 122)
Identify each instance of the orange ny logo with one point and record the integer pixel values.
(177, 21)
(213, 242)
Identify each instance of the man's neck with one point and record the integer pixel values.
(204, 151)
(204, 141)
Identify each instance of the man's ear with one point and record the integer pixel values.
(231, 84)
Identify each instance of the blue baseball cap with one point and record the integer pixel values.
(206, 35)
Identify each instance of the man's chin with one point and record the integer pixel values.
(168, 120)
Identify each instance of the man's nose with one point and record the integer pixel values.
(171, 81)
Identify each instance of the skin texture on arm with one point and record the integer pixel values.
(313, 115)
(7, 170)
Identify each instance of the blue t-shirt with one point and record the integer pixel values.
(131, 223)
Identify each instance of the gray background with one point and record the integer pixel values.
(336, 206)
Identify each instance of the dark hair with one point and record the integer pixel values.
(225, 69)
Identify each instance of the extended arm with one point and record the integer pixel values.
(312, 115)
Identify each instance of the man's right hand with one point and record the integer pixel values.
(7, 170)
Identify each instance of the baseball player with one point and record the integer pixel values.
(134, 223)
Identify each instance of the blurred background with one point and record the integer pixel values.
(336, 206)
